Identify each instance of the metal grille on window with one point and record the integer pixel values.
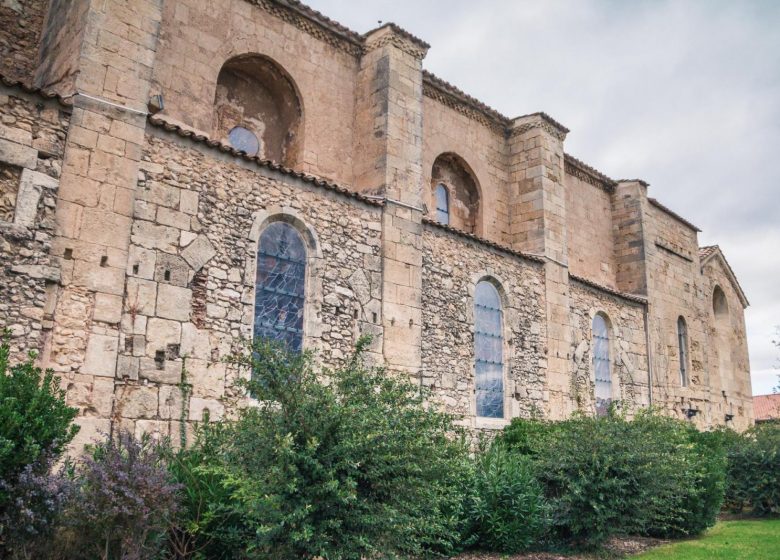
(682, 341)
(601, 365)
(442, 205)
(488, 351)
(279, 286)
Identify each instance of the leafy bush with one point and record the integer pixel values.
(123, 502)
(609, 475)
(506, 508)
(753, 479)
(344, 464)
(34, 419)
(35, 427)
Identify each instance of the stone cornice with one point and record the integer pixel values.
(540, 120)
(43, 93)
(450, 96)
(390, 33)
(314, 23)
(588, 174)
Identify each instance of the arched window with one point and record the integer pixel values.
(723, 333)
(258, 110)
(682, 343)
(442, 204)
(488, 351)
(601, 365)
(462, 192)
(280, 285)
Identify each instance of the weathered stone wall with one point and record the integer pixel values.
(32, 136)
(22, 22)
(729, 376)
(199, 36)
(61, 42)
(483, 148)
(191, 276)
(589, 231)
(452, 266)
(628, 345)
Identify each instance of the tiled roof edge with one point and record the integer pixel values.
(640, 181)
(401, 31)
(591, 284)
(321, 19)
(45, 93)
(268, 164)
(709, 251)
(434, 81)
(483, 241)
(672, 213)
(591, 172)
(547, 118)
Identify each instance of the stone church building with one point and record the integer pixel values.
(178, 174)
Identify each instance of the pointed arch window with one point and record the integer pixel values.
(280, 285)
(601, 365)
(442, 204)
(682, 343)
(488, 351)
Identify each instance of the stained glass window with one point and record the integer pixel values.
(245, 140)
(601, 365)
(280, 285)
(442, 204)
(682, 342)
(488, 351)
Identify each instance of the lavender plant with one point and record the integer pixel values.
(124, 501)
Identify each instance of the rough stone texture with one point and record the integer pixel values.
(20, 37)
(28, 197)
(128, 251)
(452, 266)
(627, 348)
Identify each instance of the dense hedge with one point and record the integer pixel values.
(351, 464)
(605, 476)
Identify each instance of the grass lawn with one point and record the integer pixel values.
(728, 540)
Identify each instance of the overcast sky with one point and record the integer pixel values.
(682, 94)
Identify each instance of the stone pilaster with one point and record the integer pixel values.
(538, 226)
(627, 216)
(388, 162)
(96, 199)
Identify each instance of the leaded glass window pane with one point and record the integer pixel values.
(682, 341)
(280, 285)
(488, 351)
(442, 205)
(245, 140)
(601, 365)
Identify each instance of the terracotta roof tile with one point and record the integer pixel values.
(483, 241)
(320, 18)
(447, 87)
(401, 31)
(766, 407)
(706, 251)
(623, 295)
(673, 214)
(587, 169)
(709, 251)
(47, 94)
(216, 144)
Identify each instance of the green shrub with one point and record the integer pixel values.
(506, 508)
(35, 427)
(605, 476)
(753, 480)
(344, 464)
(34, 419)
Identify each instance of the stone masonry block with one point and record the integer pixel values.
(160, 333)
(141, 296)
(17, 154)
(174, 302)
(171, 269)
(170, 372)
(108, 308)
(101, 355)
(31, 185)
(199, 252)
(138, 401)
